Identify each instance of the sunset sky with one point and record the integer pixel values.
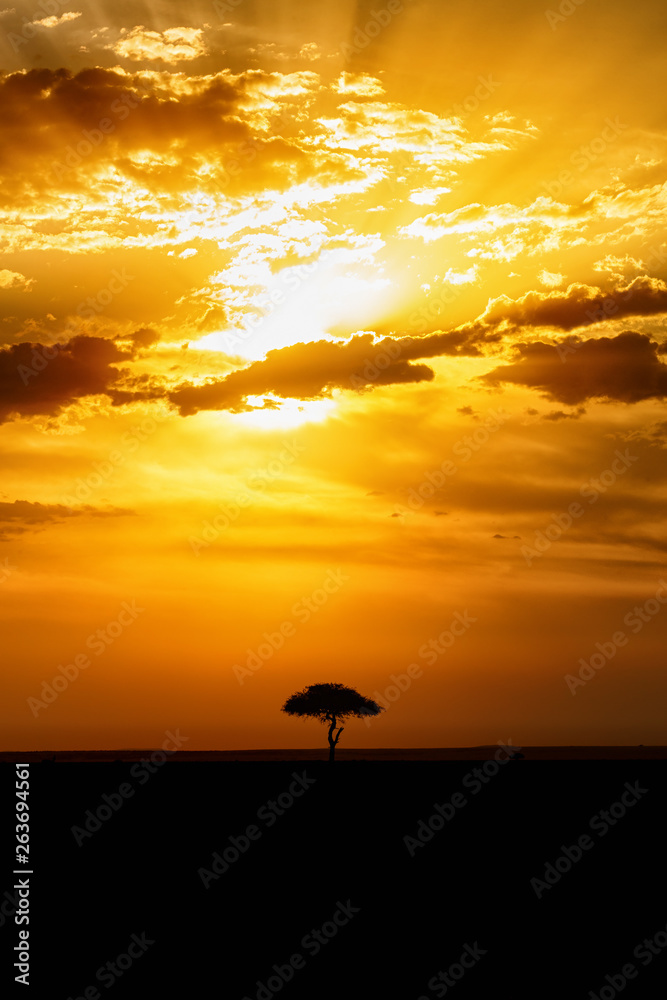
(319, 323)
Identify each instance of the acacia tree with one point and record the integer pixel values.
(330, 703)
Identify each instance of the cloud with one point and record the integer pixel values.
(160, 132)
(654, 435)
(42, 380)
(428, 195)
(54, 21)
(577, 305)
(36, 380)
(312, 370)
(555, 415)
(359, 84)
(475, 219)
(171, 45)
(13, 279)
(618, 265)
(551, 278)
(625, 368)
(438, 344)
(141, 339)
(310, 51)
(20, 516)
(303, 371)
(390, 128)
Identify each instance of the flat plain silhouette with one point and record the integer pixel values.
(330, 703)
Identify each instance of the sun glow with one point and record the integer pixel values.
(287, 413)
(300, 305)
(294, 286)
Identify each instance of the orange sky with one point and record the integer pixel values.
(326, 328)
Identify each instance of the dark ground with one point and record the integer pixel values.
(140, 869)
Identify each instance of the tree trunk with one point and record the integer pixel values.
(333, 741)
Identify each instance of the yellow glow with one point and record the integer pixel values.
(301, 304)
(214, 249)
(292, 413)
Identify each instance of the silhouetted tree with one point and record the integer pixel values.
(330, 703)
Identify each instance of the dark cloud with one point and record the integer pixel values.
(37, 379)
(555, 415)
(624, 368)
(58, 127)
(304, 371)
(21, 516)
(576, 306)
(141, 339)
(453, 343)
(310, 371)
(654, 435)
(49, 109)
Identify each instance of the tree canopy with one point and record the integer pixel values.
(321, 701)
(329, 703)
